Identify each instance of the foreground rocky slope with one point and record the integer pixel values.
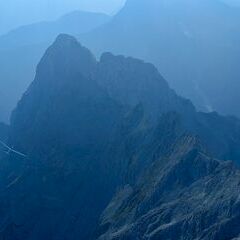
(185, 194)
(86, 128)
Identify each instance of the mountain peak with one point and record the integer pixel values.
(66, 56)
(66, 39)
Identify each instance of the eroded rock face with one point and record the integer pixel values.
(184, 194)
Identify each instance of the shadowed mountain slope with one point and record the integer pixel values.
(87, 128)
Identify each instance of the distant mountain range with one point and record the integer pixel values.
(15, 13)
(90, 128)
(42, 32)
(194, 44)
(22, 48)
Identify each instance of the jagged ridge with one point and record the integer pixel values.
(88, 127)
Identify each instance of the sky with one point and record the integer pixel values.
(14, 13)
(234, 2)
(21, 12)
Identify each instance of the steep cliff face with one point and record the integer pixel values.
(65, 100)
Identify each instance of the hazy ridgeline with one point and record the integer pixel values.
(106, 140)
(194, 44)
